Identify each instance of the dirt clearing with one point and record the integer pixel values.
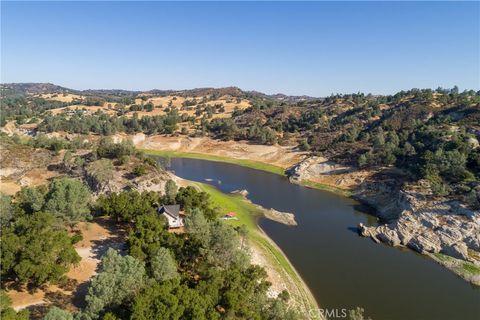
(98, 236)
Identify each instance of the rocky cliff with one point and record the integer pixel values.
(434, 226)
(409, 215)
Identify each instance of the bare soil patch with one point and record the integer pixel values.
(98, 236)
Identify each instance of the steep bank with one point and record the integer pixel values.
(277, 158)
(442, 229)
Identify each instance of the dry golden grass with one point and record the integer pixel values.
(60, 97)
(91, 109)
(162, 103)
(97, 235)
(9, 187)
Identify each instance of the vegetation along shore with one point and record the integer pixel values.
(413, 156)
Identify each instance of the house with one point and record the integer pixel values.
(172, 213)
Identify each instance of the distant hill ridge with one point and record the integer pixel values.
(45, 88)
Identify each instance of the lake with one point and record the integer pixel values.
(342, 269)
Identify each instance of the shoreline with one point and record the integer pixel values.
(205, 156)
(253, 164)
(304, 285)
(466, 275)
(276, 262)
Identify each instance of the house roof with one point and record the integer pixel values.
(171, 210)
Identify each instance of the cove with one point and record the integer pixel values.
(342, 269)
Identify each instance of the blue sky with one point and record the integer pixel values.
(314, 48)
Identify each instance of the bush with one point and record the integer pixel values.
(77, 237)
(124, 160)
(140, 170)
(7, 312)
(150, 161)
(58, 314)
(108, 149)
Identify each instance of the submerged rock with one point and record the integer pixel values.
(243, 192)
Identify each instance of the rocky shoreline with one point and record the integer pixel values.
(443, 229)
(286, 218)
(410, 216)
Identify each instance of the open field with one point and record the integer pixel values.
(89, 109)
(9, 187)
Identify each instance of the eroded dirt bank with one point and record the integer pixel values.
(280, 156)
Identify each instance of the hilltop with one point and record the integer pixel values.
(49, 88)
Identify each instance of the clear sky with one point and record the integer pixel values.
(314, 48)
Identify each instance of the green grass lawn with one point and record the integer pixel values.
(470, 268)
(241, 162)
(247, 213)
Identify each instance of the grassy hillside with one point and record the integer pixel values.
(428, 134)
